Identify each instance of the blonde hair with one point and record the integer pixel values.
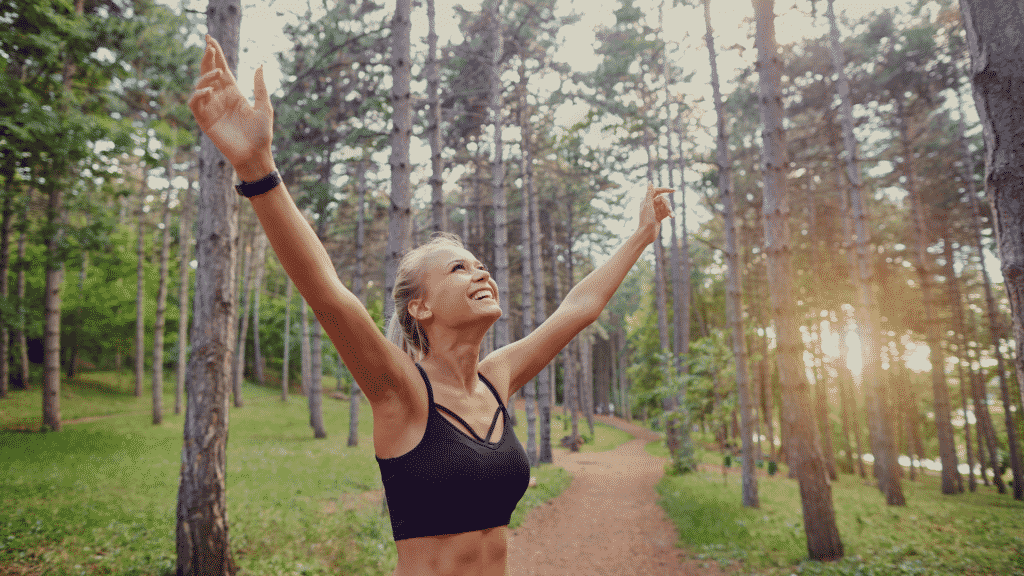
(404, 330)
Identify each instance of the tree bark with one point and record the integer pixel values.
(501, 272)
(944, 428)
(261, 267)
(161, 305)
(528, 246)
(996, 51)
(357, 290)
(733, 278)
(434, 124)
(140, 282)
(823, 541)
(20, 334)
(288, 297)
(243, 331)
(5, 251)
(400, 214)
(985, 429)
(863, 280)
(545, 379)
(184, 267)
(202, 520)
(51, 335)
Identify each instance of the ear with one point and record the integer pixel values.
(418, 309)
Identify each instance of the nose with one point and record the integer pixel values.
(481, 274)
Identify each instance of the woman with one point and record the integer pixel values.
(453, 471)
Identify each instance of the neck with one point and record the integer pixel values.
(455, 354)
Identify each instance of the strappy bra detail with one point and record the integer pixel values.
(470, 428)
(454, 482)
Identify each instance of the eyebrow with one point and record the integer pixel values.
(463, 261)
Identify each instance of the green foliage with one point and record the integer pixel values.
(936, 535)
(99, 497)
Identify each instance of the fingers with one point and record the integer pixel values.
(262, 99)
(653, 192)
(197, 99)
(214, 58)
(662, 208)
(212, 79)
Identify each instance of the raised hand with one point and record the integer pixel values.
(654, 209)
(242, 132)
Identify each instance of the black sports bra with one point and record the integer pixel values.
(452, 482)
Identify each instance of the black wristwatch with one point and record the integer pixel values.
(268, 182)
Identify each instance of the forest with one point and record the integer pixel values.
(837, 294)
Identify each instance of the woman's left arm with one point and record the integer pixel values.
(524, 359)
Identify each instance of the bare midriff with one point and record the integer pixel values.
(479, 553)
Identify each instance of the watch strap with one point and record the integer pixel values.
(267, 183)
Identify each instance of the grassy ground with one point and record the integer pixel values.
(967, 534)
(99, 497)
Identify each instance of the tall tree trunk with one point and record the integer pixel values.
(140, 283)
(357, 289)
(821, 418)
(528, 245)
(661, 304)
(243, 331)
(823, 541)
(434, 123)
(54, 234)
(986, 433)
(863, 280)
(261, 267)
(161, 306)
(960, 327)
(51, 335)
(184, 267)
(501, 272)
(314, 395)
(733, 278)
(285, 370)
(587, 378)
(20, 334)
(545, 379)
(305, 354)
(202, 519)
(986, 429)
(5, 251)
(995, 53)
(620, 352)
(400, 214)
(944, 427)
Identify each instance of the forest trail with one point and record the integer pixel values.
(607, 522)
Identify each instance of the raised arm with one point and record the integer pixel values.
(522, 360)
(243, 133)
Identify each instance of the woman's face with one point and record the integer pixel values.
(458, 288)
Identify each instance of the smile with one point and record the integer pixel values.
(482, 294)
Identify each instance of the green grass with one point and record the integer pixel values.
(99, 497)
(551, 481)
(967, 534)
(605, 437)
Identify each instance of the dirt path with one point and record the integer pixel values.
(607, 522)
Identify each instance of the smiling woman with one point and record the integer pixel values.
(452, 468)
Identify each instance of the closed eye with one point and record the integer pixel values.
(458, 266)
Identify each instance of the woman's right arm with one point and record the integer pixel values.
(243, 134)
(381, 368)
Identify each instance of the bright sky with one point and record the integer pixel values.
(262, 37)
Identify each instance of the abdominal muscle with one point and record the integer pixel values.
(478, 553)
